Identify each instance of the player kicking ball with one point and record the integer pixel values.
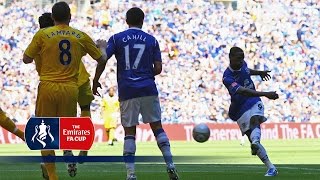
(246, 107)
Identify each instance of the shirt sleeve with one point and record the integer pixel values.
(34, 47)
(157, 52)
(111, 47)
(231, 84)
(91, 48)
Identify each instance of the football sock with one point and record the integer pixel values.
(164, 146)
(255, 134)
(111, 135)
(262, 154)
(51, 167)
(129, 150)
(107, 134)
(9, 125)
(85, 114)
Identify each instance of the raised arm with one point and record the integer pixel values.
(265, 76)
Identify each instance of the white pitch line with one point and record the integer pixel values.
(246, 166)
(101, 170)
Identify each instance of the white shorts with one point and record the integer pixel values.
(244, 120)
(148, 107)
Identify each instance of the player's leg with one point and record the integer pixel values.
(85, 97)
(129, 112)
(111, 136)
(242, 140)
(107, 128)
(151, 113)
(9, 125)
(129, 151)
(46, 107)
(67, 107)
(85, 112)
(110, 125)
(48, 169)
(254, 135)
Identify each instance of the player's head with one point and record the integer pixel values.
(111, 92)
(61, 12)
(236, 56)
(135, 17)
(45, 20)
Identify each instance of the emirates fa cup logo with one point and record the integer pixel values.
(41, 133)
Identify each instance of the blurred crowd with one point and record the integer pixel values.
(278, 35)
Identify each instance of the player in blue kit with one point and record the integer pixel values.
(138, 62)
(246, 107)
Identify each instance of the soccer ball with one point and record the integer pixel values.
(201, 133)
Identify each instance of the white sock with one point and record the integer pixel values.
(129, 150)
(164, 146)
(255, 135)
(262, 154)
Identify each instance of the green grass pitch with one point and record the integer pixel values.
(219, 160)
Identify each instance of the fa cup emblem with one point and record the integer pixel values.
(41, 132)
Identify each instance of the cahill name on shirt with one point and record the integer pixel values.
(134, 37)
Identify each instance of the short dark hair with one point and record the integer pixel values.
(236, 51)
(135, 16)
(45, 20)
(61, 11)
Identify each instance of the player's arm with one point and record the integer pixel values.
(91, 48)
(157, 67)
(157, 61)
(253, 93)
(33, 49)
(235, 88)
(265, 76)
(99, 70)
(26, 59)
(102, 45)
(107, 50)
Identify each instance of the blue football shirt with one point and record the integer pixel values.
(232, 80)
(135, 52)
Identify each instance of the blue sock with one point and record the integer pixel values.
(164, 146)
(129, 150)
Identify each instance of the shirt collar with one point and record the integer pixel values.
(135, 28)
(232, 70)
